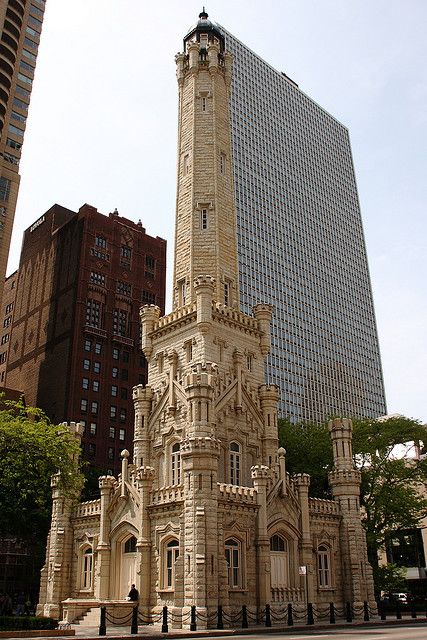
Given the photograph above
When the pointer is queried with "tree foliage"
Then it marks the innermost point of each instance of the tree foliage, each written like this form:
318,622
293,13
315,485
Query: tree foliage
32,449
392,481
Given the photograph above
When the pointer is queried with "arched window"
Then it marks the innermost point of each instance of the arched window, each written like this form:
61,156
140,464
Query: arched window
170,557
176,464
279,559
130,545
233,556
234,463
324,565
87,569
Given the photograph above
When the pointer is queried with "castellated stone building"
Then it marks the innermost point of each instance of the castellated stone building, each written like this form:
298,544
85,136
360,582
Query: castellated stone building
205,514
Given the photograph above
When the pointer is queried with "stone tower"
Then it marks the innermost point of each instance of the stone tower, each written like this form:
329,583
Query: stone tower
205,238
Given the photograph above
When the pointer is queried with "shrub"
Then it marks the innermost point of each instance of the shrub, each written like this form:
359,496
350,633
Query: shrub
8,623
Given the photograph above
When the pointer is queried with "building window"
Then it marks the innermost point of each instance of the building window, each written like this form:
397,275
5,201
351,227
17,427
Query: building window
125,374
115,354
125,356
130,545
233,557
124,393
97,278
125,254
83,405
113,411
94,408
114,390
101,242
112,432
86,364
124,288
249,361
88,345
203,104
87,567
122,434
186,165
279,562
148,297
93,313
110,453
120,319
92,450
98,347
176,464
324,565
115,372
5,339
97,367
123,414
92,428
4,195
203,219
222,163
3,357
227,294
95,385
171,555
235,463
85,383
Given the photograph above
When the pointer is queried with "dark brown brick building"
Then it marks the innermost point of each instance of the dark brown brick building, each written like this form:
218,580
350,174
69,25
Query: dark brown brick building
74,344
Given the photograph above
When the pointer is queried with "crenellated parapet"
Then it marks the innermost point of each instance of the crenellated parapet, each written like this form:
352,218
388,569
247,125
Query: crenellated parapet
149,315
200,445
341,433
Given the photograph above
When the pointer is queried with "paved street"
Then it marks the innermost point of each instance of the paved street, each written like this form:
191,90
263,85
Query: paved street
415,632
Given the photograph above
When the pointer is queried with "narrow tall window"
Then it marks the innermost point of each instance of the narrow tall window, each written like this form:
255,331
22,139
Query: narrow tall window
222,163
234,463
186,164
279,562
233,557
203,104
324,566
171,556
87,569
93,313
227,294
203,219
176,464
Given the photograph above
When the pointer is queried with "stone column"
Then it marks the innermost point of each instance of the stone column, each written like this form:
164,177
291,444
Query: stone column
145,478
102,582
302,481
149,315
269,397
142,400
260,475
263,314
357,580
204,287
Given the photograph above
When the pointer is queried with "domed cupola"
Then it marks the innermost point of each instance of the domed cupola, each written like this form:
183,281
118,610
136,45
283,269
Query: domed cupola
205,32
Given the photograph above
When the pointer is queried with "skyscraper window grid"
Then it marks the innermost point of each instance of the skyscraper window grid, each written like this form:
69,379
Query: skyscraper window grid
301,244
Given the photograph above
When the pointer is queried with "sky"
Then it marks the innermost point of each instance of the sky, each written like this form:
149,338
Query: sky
102,129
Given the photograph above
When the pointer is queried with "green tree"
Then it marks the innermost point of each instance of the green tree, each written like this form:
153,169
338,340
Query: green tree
32,449
391,495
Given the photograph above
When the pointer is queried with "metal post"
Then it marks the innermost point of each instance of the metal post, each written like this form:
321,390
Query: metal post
102,622
310,617
331,613
134,623
365,611
413,610
220,623
383,614
267,616
290,615
193,625
398,611
349,615
244,617
165,627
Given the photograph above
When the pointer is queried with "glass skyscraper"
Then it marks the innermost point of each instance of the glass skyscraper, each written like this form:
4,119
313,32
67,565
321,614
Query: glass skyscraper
301,245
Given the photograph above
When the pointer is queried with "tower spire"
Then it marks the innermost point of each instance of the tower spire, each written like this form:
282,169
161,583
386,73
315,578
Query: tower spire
205,233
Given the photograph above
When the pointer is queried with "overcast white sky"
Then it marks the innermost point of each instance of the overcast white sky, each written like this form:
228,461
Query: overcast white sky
103,115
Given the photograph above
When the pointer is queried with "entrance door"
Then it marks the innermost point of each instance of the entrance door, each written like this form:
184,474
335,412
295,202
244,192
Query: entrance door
128,567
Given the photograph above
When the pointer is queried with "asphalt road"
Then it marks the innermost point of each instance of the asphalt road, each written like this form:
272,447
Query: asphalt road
415,632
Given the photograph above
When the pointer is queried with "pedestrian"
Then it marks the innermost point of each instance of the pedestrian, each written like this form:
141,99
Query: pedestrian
133,594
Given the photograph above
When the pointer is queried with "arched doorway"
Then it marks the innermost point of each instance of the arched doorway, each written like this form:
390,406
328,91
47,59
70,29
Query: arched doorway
127,566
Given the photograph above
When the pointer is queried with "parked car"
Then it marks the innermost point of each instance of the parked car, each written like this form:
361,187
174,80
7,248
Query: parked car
402,598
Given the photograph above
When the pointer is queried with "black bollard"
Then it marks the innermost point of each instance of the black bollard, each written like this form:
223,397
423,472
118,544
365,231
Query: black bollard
220,623
413,610
331,613
267,616
290,615
398,611
348,612
193,625
382,608
165,627
134,623
102,622
365,611
244,617
310,617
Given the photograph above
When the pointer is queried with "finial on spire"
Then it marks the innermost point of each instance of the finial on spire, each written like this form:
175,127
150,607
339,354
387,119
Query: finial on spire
203,15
